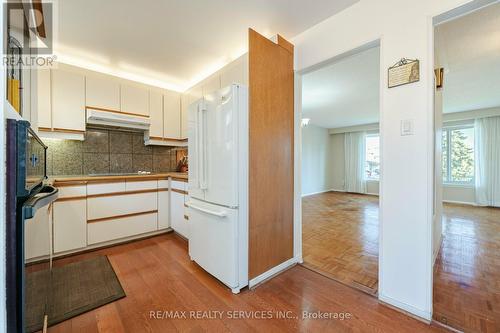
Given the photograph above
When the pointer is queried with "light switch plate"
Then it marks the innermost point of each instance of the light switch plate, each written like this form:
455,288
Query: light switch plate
407,127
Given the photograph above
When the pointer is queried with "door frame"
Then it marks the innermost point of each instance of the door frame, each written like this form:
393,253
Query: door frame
297,232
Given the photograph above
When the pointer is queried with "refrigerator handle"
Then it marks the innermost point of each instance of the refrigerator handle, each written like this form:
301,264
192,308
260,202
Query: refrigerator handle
202,146
206,211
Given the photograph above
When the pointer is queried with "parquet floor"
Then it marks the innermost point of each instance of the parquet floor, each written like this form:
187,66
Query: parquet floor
340,237
467,270
157,275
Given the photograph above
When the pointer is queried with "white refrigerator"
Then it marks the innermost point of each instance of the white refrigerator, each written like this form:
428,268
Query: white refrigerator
218,185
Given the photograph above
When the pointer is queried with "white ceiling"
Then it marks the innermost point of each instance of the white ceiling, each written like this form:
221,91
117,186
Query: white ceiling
344,93
175,43
469,50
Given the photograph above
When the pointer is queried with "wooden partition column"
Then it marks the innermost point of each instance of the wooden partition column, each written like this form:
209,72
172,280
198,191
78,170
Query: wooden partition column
271,160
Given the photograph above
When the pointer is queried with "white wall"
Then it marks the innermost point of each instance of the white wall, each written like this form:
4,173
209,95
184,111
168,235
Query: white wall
405,29
316,160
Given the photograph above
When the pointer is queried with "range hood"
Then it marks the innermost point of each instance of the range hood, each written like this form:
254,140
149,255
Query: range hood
116,120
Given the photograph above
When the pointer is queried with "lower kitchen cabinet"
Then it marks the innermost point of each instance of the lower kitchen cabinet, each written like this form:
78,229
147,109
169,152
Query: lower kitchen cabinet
103,231
178,216
70,225
163,206
37,234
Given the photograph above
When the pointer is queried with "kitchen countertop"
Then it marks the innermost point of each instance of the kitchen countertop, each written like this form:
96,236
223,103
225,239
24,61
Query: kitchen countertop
84,179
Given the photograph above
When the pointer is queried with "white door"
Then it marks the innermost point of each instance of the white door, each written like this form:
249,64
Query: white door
213,234
221,147
195,149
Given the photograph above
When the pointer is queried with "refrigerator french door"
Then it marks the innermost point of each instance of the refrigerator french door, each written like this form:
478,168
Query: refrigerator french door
217,148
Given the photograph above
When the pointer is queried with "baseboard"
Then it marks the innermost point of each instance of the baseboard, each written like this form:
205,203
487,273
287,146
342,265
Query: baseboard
313,193
410,310
436,252
272,272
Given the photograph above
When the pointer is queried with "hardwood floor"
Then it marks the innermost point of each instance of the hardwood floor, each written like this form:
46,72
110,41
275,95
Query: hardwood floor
340,237
467,270
157,275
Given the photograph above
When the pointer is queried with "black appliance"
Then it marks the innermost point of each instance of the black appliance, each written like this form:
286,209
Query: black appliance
26,193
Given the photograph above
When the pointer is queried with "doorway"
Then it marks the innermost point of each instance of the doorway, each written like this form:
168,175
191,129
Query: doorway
341,168
467,242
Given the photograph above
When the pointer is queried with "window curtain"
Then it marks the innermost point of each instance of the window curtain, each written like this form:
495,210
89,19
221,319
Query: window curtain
487,156
355,147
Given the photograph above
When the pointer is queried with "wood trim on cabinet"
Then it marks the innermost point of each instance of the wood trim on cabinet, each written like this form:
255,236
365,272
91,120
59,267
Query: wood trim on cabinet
115,111
271,135
163,190
117,217
60,130
179,191
158,138
184,180
70,183
81,197
112,194
63,130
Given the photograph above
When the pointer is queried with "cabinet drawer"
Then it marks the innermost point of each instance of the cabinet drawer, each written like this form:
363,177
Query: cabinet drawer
105,188
121,227
118,205
163,184
178,185
72,191
143,185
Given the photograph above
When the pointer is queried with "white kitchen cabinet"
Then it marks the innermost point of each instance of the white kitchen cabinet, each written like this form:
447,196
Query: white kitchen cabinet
156,115
178,199
102,92
189,97
172,115
70,225
37,234
211,84
135,100
163,209
43,98
122,227
119,205
235,72
68,100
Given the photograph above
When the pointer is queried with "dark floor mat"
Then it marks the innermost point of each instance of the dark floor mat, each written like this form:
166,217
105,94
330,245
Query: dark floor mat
76,288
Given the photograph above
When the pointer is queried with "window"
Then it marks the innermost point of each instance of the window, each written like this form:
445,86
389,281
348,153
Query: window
372,157
458,155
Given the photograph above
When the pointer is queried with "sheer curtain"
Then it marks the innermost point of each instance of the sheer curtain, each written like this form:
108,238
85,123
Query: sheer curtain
487,161
355,147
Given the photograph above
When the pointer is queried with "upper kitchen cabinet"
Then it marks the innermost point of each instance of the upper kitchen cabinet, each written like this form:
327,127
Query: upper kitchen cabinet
43,99
68,101
211,84
172,115
235,72
189,97
156,115
135,100
102,92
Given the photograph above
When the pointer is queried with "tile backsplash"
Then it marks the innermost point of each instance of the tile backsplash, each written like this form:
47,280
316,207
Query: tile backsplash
108,151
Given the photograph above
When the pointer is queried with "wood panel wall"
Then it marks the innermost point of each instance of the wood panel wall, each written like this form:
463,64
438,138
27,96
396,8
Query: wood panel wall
271,125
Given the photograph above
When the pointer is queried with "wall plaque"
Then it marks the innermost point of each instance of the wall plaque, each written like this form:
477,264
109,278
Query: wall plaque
403,72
